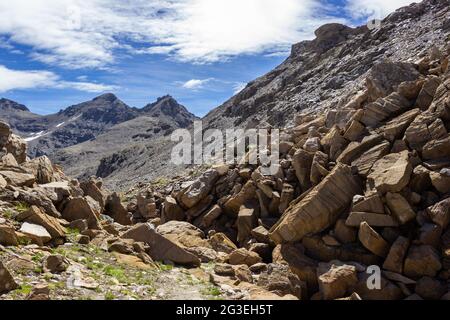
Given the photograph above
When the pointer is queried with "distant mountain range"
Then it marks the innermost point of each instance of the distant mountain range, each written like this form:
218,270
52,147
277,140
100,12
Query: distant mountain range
86,137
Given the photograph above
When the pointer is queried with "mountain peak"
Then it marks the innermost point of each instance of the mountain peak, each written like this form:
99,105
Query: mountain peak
108,97
9,104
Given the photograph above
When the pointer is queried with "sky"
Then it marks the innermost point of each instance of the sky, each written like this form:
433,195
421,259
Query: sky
56,53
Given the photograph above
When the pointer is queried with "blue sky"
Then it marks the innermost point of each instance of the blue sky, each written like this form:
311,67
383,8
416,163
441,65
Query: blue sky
55,53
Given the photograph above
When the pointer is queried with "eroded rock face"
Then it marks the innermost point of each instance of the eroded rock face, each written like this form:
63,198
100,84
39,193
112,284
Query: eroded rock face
319,208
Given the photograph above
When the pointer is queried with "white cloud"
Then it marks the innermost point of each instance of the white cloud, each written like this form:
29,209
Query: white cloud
374,9
86,33
195,84
19,79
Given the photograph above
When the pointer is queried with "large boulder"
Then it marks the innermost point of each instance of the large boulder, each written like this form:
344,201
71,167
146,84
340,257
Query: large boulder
115,209
42,169
396,256
18,177
337,281
199,189
83,208
391,173
8,236
440,213
320,208
161,248
422,261
372,241
281,281
243,256
172,211
183,233
36,216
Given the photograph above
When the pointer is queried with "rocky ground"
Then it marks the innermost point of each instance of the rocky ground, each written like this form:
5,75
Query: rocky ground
365,185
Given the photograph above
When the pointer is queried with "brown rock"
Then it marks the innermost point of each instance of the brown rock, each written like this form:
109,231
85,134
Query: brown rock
354,131
261,234
383,109
365,162
436,149
116,210
391,173
335,282
42,169
287,195
146,206
7,282
430,289
243,256
18,179
36,216
281,281
302,161
221,243
212,215
199,189
83,208
246,221
427,93
8,236
344,233
422,261
372,219
400,207
183,234
440,213
172,211
56,263
320,208
355,149
372,241
301,265
372,204
440,181
90,188
247,192
396,255
161,248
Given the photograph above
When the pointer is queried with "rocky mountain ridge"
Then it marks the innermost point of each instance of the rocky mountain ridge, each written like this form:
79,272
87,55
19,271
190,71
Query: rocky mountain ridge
85,121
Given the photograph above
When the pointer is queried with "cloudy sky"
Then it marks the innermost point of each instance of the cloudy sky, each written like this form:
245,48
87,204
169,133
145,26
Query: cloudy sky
54,53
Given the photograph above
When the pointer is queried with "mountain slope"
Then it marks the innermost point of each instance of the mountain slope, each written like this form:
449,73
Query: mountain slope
114,151
322,73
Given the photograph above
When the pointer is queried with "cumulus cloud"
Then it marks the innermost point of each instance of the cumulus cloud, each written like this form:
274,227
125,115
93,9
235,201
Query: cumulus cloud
374,9
86,33
195,84
30,79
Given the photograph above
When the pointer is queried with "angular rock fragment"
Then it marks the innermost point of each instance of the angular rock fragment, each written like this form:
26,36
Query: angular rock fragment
320,208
